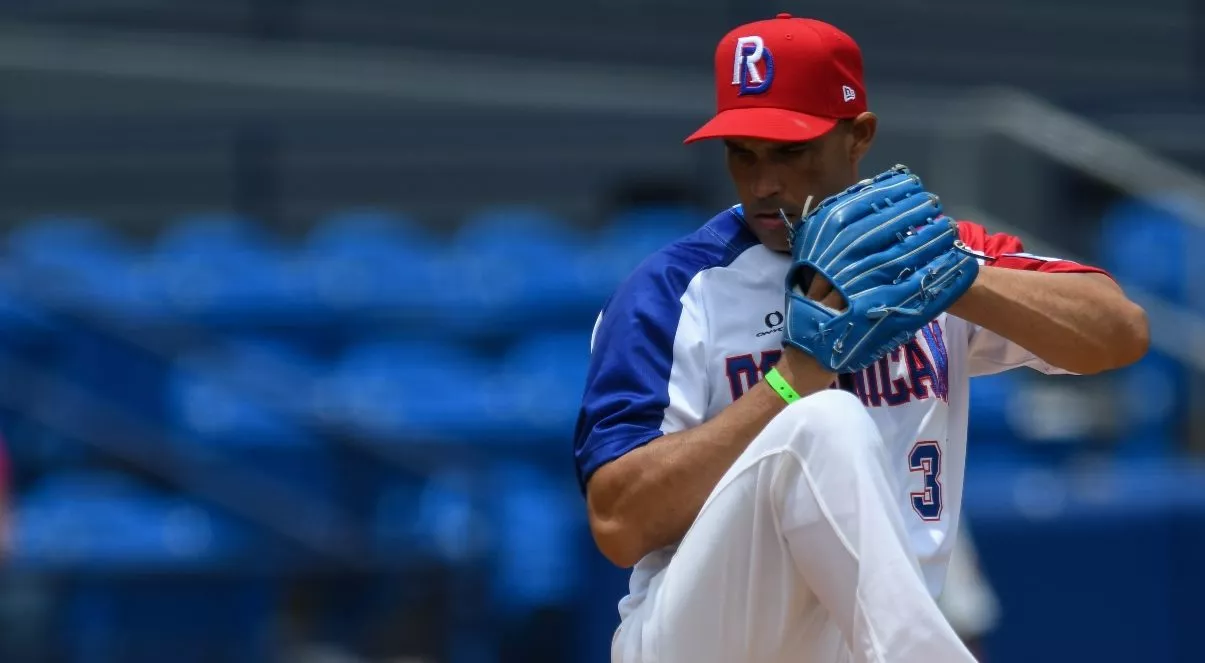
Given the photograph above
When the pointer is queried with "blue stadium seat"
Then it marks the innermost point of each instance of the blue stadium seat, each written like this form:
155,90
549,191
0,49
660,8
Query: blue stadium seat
633,235
76,264
272,370
539,569
1154,403
367,261
144,562
58,240
1148,246
207,232
35,448
1021,415
83,484
513,268
185,618
24,324
991,431
363,229
398,390
539,387
106,521
79,263
224,269
435,518
247,403
204,403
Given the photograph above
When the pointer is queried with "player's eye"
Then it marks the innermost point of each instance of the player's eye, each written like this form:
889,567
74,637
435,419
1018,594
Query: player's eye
741,154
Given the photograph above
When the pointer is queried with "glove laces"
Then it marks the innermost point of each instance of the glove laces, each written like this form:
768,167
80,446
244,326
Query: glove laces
794,226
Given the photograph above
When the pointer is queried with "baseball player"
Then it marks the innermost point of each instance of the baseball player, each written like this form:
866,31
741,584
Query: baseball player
773,429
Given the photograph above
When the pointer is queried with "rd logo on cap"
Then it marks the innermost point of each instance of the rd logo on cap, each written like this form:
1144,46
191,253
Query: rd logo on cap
749,52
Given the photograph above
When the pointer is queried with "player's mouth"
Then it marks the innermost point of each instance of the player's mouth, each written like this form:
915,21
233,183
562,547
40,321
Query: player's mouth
770,220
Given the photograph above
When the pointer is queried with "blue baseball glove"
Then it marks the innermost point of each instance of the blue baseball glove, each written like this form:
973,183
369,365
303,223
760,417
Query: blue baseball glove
885,246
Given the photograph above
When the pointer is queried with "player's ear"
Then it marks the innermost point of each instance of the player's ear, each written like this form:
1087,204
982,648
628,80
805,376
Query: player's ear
862,134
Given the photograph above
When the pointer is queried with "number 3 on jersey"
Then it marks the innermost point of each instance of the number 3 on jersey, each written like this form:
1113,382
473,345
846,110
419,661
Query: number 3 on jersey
925,457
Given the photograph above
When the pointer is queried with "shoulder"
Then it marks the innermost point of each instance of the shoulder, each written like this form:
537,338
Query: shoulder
668,272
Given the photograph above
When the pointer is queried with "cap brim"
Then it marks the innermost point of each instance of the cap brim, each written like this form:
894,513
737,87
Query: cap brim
764,123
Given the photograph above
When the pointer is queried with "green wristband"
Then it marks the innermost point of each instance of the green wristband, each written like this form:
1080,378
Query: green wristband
779,383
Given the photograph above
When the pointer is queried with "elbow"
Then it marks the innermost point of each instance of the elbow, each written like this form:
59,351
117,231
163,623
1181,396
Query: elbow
617,537
1134,338
615,541
1125,345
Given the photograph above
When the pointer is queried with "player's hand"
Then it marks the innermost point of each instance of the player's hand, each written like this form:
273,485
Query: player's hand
798,367
821,290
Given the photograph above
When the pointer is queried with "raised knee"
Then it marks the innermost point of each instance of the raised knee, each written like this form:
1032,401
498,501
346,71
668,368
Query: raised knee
830,417
826,408
836,399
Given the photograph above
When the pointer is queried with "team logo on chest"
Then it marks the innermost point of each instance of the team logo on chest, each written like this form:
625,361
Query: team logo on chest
752,58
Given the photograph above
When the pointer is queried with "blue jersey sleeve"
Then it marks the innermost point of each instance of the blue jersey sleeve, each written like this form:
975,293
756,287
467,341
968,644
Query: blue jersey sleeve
648,358
646,375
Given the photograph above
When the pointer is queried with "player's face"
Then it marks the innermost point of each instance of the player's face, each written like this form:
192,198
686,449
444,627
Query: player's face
770,175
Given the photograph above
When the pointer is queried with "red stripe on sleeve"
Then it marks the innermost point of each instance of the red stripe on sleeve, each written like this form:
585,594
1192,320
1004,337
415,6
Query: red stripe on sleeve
1004,250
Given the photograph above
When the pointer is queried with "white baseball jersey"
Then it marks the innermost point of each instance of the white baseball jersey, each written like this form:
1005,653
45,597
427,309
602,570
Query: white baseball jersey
700,322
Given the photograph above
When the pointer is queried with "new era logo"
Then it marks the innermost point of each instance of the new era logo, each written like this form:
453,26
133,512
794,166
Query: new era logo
848,93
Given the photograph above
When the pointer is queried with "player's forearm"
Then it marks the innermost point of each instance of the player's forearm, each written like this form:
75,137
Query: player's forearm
648,498
1078,322
665,483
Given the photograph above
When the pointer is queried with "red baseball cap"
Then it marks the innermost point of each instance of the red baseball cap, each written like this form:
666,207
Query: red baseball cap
785,79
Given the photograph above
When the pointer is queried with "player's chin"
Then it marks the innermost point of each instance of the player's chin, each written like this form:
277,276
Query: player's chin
771,232
775,240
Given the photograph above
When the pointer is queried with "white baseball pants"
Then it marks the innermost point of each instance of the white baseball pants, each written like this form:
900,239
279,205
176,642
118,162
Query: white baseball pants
799,555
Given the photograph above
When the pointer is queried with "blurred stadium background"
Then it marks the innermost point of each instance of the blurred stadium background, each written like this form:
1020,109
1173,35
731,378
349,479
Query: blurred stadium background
295,300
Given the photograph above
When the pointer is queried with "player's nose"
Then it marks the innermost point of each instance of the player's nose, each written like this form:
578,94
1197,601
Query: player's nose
766,184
